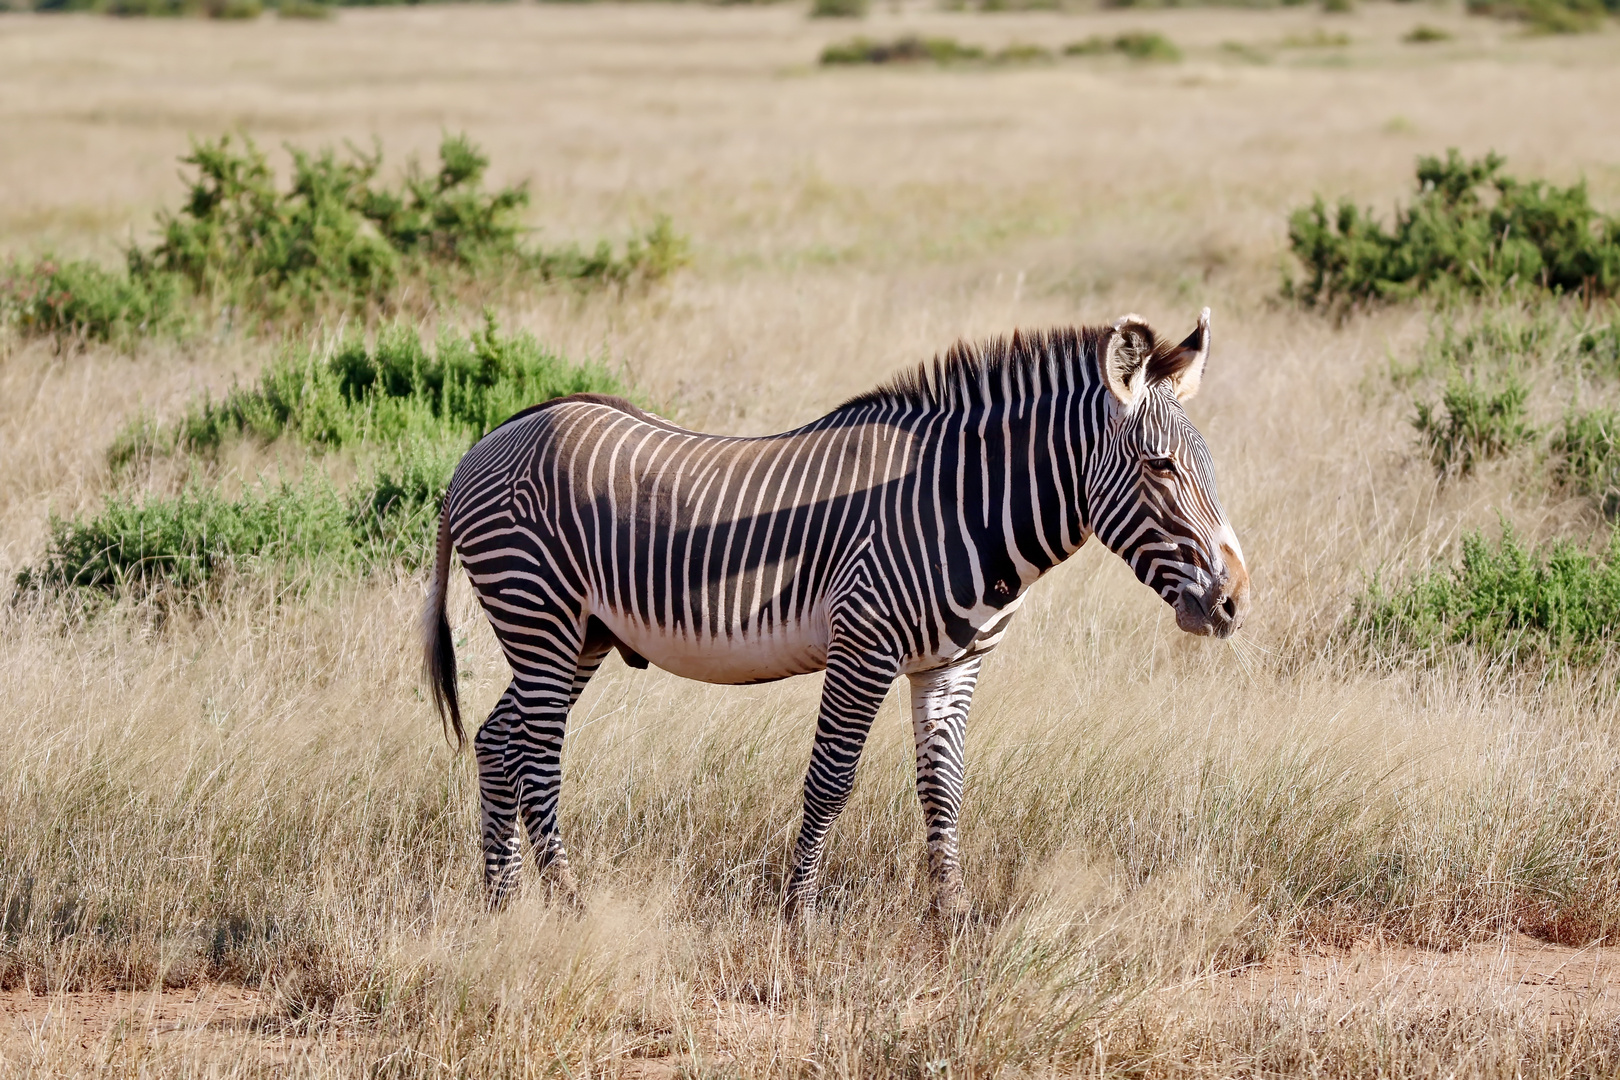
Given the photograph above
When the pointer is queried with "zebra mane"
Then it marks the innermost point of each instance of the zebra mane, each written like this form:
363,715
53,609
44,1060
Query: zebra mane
970,373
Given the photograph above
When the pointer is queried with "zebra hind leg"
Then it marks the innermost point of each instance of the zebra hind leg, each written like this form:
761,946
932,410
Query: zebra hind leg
497,799
855,688
939,707
532,756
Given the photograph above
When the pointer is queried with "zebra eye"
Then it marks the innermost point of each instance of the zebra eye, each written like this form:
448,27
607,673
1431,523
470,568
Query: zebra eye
1161,465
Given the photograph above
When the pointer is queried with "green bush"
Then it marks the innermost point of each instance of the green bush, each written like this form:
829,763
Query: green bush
1145,45
1601,348
1549,16
1474,423
1556,605
386,392
1531,235
81,299
336,238
405,414
908,49
839,9
1424,34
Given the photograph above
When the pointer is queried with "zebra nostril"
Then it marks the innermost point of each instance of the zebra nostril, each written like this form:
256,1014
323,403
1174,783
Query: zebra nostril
1229,608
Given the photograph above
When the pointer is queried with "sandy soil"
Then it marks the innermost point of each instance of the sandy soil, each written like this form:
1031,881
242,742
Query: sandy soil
1549,984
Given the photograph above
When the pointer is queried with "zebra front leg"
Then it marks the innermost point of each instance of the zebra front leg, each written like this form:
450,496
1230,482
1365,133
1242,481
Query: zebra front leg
850,697
939,707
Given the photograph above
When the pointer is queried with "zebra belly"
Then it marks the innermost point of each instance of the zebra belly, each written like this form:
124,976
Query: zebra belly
735,658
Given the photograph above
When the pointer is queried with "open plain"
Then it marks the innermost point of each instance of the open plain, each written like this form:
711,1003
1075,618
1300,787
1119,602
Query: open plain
234,842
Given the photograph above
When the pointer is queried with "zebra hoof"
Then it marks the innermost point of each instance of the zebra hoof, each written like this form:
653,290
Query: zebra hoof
565,887
799,910
950,900
498,895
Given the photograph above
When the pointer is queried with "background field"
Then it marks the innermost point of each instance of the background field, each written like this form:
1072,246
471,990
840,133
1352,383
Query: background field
249,802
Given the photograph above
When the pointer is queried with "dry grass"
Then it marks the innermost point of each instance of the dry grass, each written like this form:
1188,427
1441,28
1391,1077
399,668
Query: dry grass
253,800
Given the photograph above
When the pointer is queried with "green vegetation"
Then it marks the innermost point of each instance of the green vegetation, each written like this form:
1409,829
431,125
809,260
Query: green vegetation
336,238
1136,44
1550,16
1531,235
1147,45
80,299
1587,456
1555,605
404,414
908,49
1474,423
839,9
1424,34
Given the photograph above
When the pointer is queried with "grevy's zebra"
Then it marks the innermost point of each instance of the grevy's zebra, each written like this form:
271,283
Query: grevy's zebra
897,534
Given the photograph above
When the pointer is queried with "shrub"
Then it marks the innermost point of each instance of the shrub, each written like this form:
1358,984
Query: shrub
1588,456
1601,348
335,238
1424,34
907,49
1450,240
1549,16
1557,605
81,299
839,9
390,391
410,413
1143,45
1473,424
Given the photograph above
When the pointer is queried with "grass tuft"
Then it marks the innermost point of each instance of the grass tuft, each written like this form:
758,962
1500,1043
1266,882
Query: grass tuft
1474,423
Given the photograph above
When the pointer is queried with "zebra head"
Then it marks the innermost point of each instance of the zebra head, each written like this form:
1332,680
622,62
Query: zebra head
1153,491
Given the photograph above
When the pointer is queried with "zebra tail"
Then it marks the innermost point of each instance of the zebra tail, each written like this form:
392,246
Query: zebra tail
438,648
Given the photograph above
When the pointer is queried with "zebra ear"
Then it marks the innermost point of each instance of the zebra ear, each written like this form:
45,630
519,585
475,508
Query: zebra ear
1125,358
1183,366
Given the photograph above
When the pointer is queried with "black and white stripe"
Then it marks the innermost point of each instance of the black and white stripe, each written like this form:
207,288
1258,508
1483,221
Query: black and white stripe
896,535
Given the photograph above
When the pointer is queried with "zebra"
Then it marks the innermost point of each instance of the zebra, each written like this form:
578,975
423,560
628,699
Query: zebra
898,534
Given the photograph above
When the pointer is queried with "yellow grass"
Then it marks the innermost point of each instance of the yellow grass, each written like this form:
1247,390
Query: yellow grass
256,794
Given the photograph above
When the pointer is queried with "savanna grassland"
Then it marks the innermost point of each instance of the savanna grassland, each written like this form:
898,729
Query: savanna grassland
233,840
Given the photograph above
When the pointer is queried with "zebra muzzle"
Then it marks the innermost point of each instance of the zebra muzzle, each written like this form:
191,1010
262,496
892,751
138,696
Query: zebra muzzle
1216,610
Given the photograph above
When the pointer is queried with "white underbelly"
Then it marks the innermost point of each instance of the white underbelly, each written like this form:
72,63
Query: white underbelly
758,656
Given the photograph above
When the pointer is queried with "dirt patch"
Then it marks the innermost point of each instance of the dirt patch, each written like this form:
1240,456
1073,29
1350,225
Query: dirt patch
1519,974
233,1021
